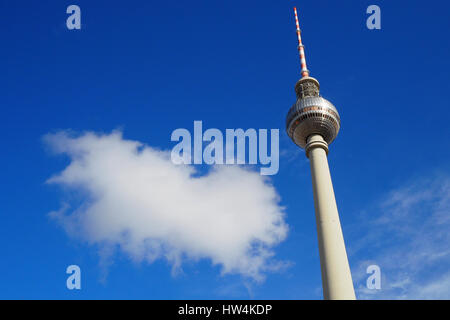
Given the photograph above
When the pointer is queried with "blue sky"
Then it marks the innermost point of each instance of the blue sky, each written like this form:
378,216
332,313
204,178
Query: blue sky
147,68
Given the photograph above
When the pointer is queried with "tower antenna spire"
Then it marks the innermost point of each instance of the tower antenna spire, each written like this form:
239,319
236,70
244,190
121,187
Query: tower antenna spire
301,51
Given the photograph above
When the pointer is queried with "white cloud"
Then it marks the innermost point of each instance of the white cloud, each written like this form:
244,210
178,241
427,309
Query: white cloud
408,236
134,198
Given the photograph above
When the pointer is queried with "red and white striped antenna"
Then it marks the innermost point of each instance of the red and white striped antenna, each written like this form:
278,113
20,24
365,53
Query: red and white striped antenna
301,51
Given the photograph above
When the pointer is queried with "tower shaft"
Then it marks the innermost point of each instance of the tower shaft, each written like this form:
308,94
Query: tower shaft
336,277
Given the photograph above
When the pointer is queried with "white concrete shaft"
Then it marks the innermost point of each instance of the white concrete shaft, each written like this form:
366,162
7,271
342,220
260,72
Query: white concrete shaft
336,277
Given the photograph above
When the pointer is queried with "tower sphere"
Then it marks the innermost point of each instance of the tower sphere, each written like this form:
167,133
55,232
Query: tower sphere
311,114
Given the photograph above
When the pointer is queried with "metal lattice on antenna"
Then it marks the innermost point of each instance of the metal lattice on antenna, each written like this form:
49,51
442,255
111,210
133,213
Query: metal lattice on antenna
301,51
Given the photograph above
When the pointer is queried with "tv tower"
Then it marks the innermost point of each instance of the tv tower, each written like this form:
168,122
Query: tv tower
313,123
